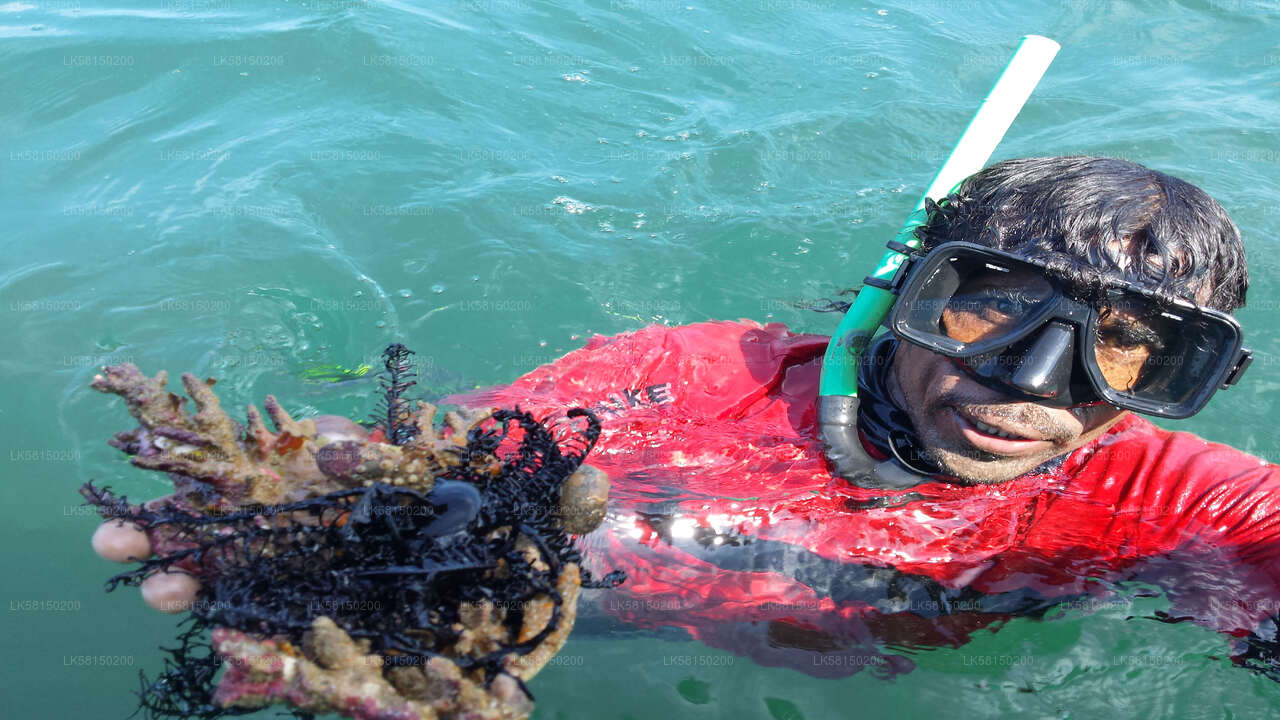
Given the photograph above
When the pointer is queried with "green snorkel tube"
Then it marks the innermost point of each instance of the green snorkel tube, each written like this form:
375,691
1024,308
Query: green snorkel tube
838,389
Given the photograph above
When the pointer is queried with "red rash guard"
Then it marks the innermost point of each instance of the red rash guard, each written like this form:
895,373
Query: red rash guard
730,525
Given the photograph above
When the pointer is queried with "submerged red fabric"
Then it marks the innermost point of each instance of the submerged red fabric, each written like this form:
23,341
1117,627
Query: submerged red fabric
729,523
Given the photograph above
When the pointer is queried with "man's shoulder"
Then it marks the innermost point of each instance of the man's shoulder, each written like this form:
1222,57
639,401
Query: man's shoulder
702,336
1143,442
691,337
699,366
728,344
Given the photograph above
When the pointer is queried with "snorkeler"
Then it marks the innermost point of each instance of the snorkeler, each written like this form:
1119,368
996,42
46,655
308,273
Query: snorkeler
1051,299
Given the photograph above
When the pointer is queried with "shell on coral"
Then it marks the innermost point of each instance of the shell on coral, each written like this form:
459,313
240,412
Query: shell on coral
583,500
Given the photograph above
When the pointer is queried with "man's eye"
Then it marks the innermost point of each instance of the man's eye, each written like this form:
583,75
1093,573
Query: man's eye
1118,338
1128,337
1004,302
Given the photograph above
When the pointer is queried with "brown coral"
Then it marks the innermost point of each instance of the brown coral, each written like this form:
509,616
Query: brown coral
337,674
257,466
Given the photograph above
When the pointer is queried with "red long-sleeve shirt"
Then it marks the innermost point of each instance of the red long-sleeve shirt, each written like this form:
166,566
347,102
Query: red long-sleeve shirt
730,524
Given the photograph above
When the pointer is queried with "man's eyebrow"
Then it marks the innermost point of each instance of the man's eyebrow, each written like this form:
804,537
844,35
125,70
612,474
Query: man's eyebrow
1132,328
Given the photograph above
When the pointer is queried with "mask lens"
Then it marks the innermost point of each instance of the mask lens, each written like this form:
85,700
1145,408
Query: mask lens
1130,345
992,302
1157,355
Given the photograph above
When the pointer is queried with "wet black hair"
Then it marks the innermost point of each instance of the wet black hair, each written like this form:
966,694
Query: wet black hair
1098,220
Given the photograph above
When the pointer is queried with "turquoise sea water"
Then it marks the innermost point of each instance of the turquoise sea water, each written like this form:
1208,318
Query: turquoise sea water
250,190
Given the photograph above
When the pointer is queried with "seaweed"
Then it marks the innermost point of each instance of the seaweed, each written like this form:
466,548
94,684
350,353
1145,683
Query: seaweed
394,415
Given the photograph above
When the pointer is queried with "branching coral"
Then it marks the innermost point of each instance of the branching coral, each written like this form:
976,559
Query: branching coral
402,573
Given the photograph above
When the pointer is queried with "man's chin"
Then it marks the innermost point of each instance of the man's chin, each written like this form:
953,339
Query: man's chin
976,467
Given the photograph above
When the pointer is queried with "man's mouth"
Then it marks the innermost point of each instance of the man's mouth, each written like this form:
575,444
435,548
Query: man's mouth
997,436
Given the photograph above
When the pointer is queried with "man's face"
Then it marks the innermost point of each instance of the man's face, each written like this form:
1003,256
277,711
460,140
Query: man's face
959,421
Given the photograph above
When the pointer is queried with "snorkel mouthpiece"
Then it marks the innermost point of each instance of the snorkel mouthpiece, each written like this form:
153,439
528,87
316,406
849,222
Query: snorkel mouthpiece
838,387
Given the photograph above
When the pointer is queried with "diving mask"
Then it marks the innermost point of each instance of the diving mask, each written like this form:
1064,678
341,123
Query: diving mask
1014,325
